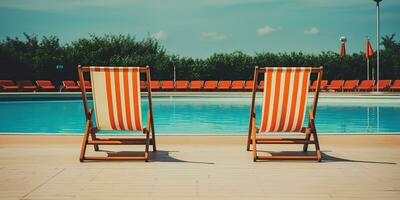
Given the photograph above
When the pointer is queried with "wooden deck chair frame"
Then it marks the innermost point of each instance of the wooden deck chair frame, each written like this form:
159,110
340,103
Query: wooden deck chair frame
309,130
89,129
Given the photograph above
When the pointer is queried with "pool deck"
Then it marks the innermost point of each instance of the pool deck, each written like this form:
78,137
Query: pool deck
200,167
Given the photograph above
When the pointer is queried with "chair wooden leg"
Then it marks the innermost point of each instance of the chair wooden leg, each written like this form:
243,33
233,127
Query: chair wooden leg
317,149
146,151
254,143
248,141
305,146
84,142
153,137
93,136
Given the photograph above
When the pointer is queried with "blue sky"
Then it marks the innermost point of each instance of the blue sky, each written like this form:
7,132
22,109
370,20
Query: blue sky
200,28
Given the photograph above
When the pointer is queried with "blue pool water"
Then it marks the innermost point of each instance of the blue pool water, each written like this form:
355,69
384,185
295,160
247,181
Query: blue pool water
202,115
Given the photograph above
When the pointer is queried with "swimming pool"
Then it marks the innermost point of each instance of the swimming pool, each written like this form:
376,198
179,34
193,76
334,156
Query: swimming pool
204,114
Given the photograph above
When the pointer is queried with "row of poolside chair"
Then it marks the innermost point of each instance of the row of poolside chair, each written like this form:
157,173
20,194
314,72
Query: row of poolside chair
196,85
241,85
41,85
354,85
223,85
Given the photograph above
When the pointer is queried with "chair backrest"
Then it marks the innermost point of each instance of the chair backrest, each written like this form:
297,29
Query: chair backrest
261,84
210,84
167,84
384,83
285,98
155,84
351,83
69,83
87,83
7,82
367,83
249,84
196,84
224,84
142,85
314,84
44,83
337,83
323,84
238,84
25,83
116,97
396,83
182,84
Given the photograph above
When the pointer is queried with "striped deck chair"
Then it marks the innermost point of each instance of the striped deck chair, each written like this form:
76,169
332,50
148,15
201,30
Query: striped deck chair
283,110
117,106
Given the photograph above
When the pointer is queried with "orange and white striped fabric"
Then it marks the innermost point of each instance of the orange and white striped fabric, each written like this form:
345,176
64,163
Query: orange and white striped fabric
116,98
285,99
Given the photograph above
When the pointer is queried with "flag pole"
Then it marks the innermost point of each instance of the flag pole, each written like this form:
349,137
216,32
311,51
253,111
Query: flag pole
377,44
174,74
367,56
373,73
367,68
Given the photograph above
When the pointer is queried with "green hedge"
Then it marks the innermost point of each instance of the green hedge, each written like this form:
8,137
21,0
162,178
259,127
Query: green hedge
33,58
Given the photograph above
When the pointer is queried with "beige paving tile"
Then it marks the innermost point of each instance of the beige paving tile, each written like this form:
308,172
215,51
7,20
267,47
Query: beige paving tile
201,167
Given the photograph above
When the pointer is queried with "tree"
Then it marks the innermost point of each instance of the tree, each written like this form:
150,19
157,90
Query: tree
390,58
33,58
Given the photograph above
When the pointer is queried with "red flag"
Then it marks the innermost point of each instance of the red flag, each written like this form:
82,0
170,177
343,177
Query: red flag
368,50
342,49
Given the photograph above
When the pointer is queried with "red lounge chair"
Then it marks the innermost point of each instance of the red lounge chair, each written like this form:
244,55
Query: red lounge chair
238,85
395,86
249,85
142,85
155,85
45,85
336,85
261,85
210,85
383,85
366,85
8,85
71,86
350,85
196,85
88,85
224,85
321,87
26,85
182,85
167,85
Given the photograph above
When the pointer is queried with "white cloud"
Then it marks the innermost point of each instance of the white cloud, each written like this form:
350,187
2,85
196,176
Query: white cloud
312,31
267,30
159,35
212,36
